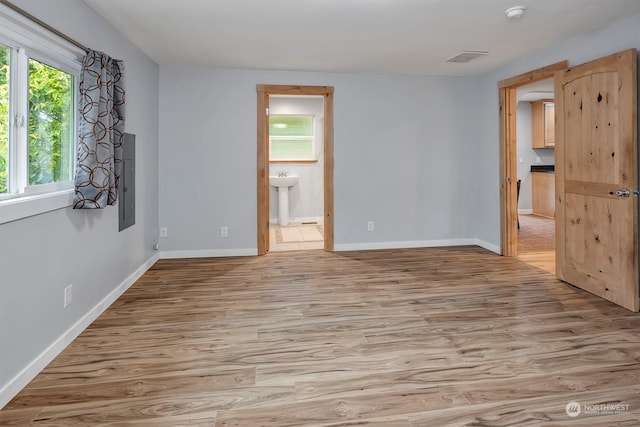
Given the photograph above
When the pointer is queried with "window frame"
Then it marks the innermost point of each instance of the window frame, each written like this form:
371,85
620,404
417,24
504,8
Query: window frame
313,156
32,41
54,186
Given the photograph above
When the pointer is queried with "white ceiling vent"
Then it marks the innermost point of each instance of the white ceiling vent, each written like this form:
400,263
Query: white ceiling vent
467,55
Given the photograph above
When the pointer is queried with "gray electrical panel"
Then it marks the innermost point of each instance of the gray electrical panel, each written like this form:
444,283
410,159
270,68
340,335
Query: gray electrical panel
127,189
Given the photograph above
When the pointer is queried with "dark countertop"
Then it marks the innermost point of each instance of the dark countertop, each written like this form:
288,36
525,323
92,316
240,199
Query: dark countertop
543,168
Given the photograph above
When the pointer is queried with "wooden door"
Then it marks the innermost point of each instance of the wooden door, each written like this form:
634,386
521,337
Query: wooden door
596,164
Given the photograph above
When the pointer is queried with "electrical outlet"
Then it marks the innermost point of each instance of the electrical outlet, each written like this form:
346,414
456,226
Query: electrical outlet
370,226
68,296
224,231
164,231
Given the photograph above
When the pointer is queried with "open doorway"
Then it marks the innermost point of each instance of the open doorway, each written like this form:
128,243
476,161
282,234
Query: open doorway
512,168
268,94
296,165
535,143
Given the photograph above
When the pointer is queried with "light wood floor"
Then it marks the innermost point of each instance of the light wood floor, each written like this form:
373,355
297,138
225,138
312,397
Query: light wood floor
537,242
415,337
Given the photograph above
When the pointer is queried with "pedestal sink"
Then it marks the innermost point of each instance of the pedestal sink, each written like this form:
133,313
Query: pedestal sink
282,182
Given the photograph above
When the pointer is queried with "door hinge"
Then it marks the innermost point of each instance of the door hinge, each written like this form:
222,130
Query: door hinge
266,111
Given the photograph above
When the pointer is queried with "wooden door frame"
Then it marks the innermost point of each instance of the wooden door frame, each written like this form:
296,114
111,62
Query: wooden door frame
508,162
264,91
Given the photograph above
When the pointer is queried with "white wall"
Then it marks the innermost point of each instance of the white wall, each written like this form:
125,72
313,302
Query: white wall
41,255
306,199
486,195
402,158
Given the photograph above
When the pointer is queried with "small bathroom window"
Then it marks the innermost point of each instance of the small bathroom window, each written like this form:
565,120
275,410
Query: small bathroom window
291,138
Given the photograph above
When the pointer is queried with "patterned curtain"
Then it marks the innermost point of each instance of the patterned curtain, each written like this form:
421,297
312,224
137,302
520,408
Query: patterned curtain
101,132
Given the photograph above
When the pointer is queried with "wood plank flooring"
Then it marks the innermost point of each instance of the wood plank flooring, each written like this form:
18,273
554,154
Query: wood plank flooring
537,242
414,337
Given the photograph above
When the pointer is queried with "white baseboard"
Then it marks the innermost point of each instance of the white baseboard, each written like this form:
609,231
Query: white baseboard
221,253
489,246
415,244
525,211
208,253
11,389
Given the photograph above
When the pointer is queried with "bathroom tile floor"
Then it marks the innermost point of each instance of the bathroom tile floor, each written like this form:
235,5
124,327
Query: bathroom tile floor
296,237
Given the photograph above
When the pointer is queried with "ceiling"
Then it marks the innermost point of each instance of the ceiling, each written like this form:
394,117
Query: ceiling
542,89
359,36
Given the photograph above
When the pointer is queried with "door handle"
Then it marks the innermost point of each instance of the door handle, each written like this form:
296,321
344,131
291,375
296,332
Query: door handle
623,192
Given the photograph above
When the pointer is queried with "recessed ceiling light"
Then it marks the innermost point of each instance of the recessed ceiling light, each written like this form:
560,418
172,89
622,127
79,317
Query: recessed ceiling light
515,12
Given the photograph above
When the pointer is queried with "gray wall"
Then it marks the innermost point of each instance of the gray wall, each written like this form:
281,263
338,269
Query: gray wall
486,196
416,154
402,157
41,255
305,198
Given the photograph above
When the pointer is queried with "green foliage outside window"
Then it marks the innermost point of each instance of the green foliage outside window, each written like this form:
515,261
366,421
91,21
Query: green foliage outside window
50,121
4,116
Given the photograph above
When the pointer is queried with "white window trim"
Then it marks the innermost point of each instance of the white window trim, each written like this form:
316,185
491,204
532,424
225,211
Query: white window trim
26,206
32,36
42,45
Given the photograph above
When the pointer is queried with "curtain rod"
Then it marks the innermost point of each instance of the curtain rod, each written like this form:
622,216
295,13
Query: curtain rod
44,25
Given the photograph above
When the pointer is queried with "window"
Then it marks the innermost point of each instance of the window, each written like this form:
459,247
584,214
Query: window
39,76
37,109
51,124
291,138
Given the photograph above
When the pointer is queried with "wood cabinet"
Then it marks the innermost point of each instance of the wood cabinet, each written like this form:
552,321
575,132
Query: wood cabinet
542,124
543,192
